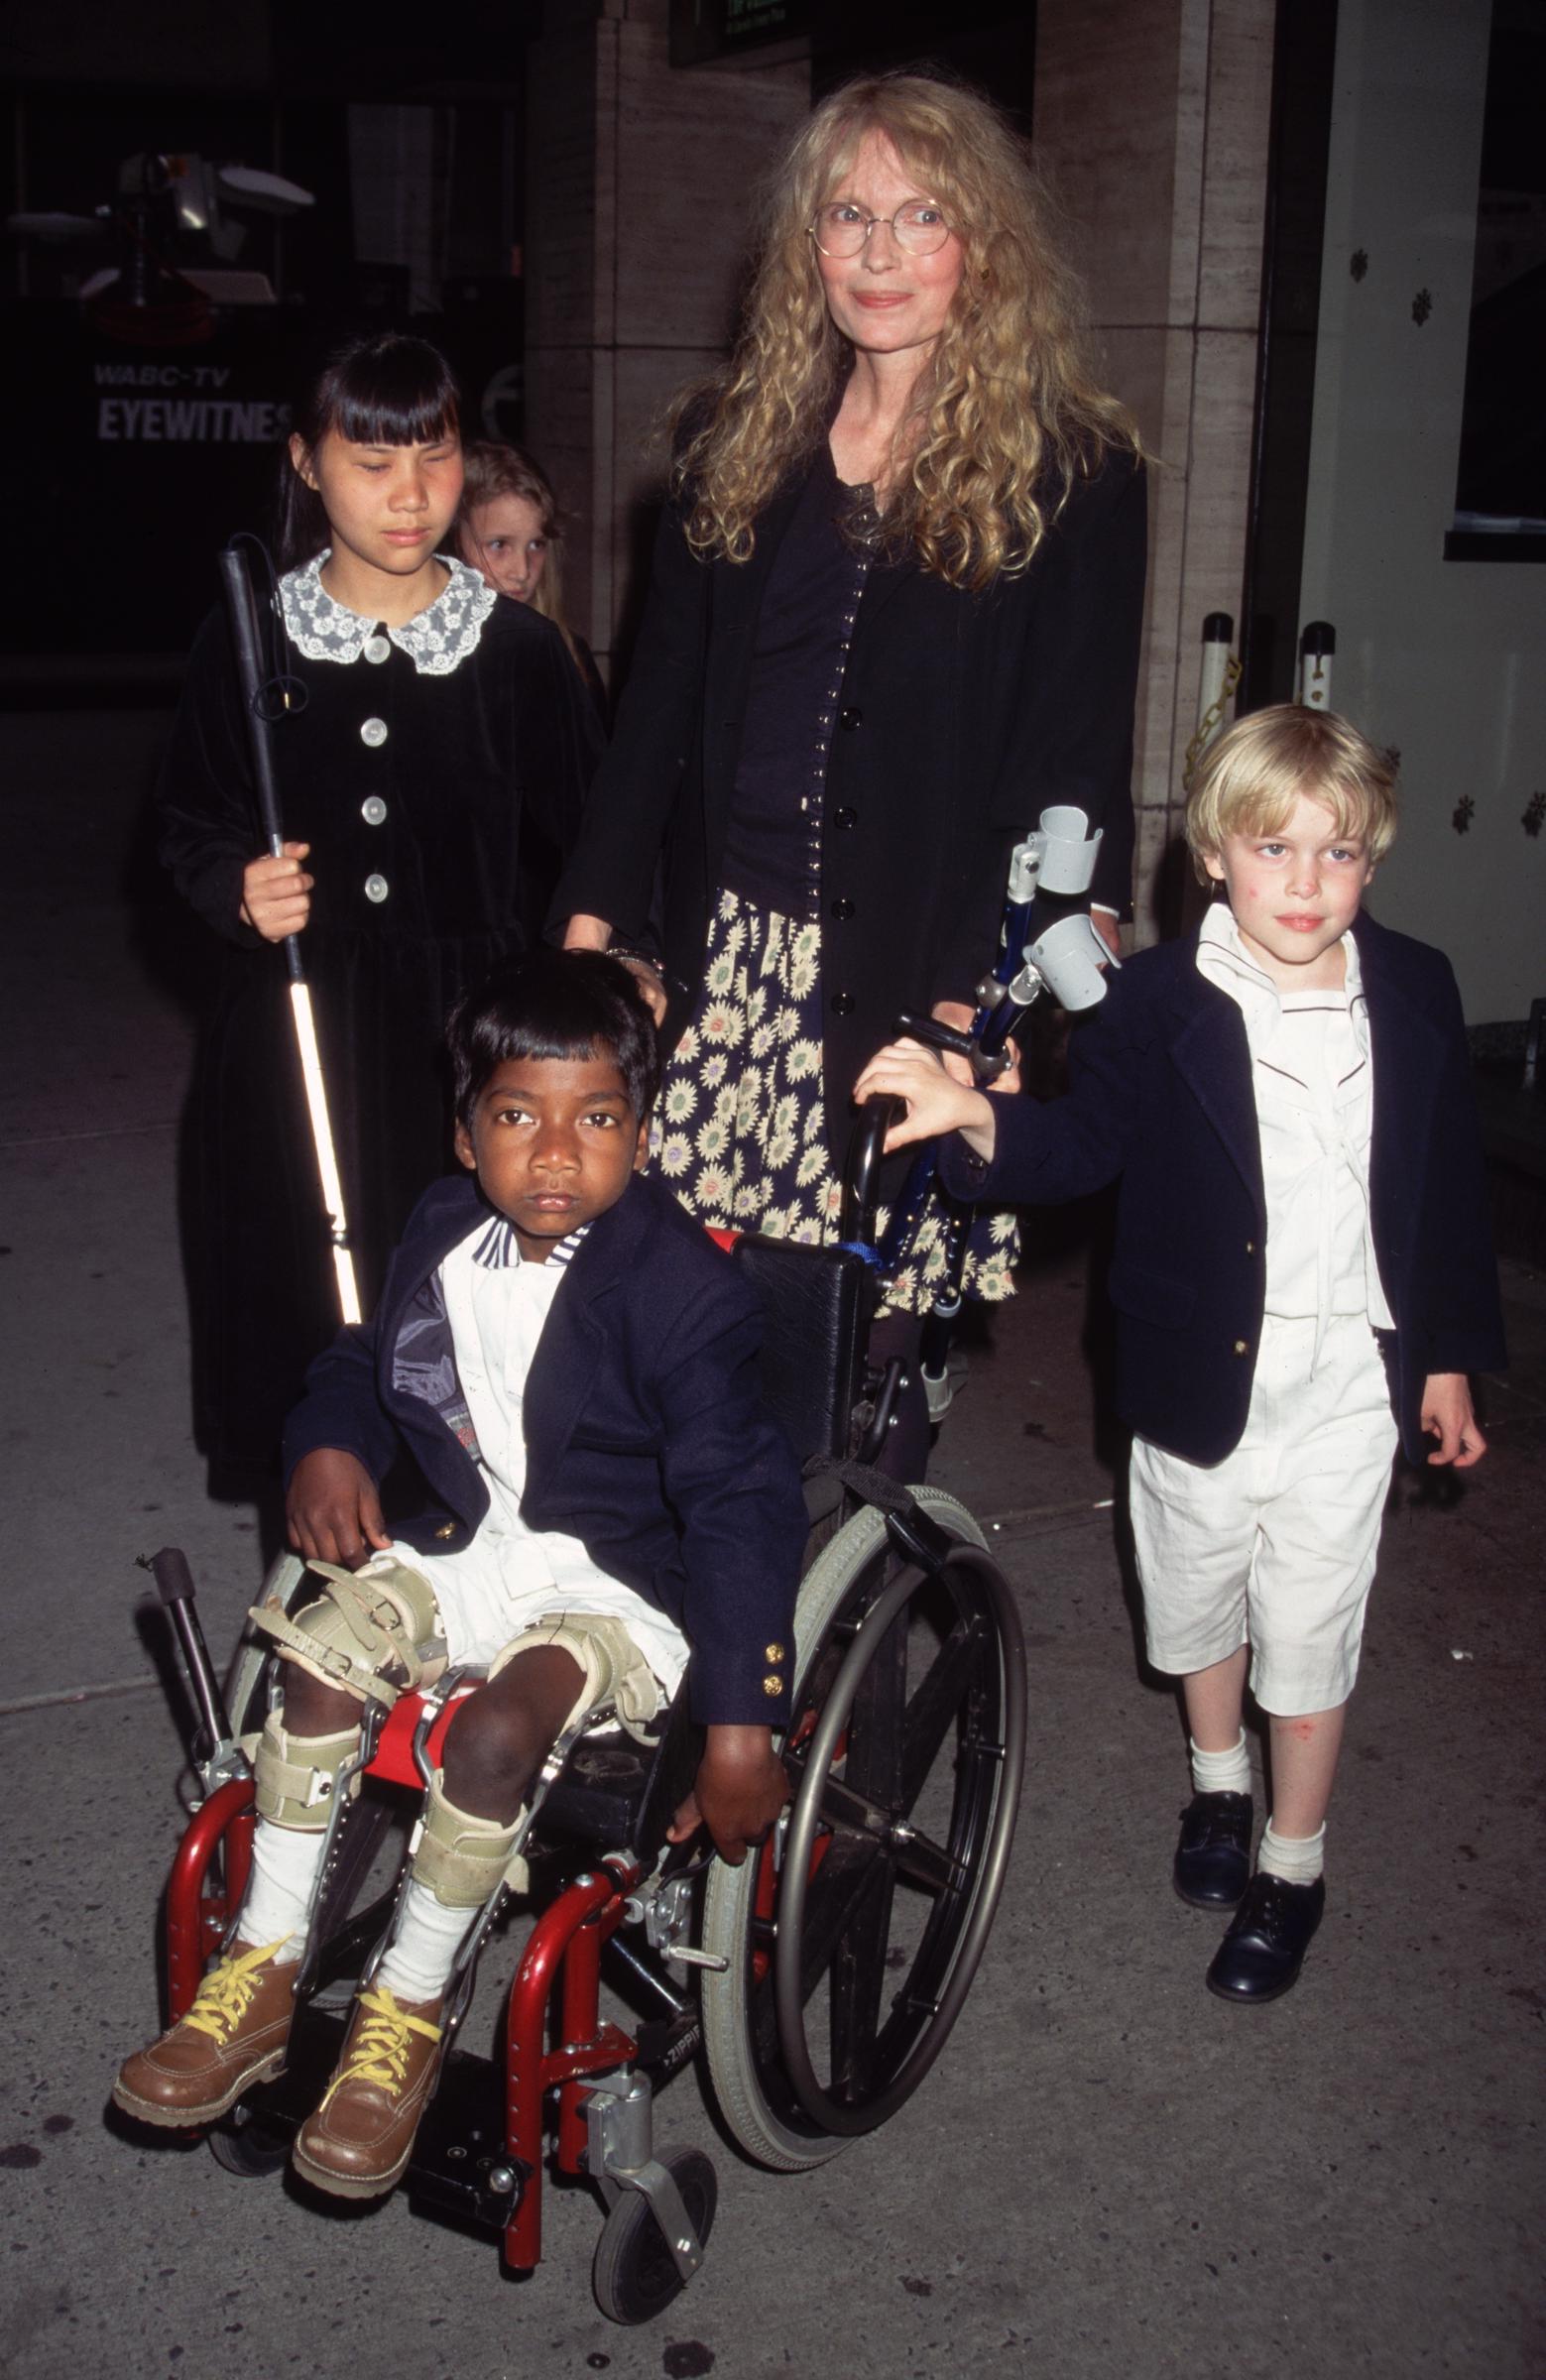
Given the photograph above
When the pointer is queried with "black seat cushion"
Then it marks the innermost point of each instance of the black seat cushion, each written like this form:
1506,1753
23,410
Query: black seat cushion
817,1303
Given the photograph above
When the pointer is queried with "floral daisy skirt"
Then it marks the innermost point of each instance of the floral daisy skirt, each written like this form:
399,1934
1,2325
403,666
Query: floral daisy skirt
740,1132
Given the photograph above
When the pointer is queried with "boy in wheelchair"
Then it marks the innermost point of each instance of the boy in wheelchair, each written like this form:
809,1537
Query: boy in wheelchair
573,1366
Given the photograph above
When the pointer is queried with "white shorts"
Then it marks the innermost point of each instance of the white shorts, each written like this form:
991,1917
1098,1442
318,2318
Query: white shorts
485,1603
1276,1545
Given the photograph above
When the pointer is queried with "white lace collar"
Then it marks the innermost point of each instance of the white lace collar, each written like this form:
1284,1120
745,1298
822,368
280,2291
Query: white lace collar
436,639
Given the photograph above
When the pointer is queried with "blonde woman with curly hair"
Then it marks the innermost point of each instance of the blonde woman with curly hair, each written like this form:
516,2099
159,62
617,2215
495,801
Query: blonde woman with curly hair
894,614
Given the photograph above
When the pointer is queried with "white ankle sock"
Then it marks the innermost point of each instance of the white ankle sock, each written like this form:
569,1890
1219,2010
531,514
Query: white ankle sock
418,1962
1220,1772
1296,1859
285,1861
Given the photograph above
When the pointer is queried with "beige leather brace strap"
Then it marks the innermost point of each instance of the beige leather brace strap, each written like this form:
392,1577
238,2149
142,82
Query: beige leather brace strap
462,1858
294,1777
375,1635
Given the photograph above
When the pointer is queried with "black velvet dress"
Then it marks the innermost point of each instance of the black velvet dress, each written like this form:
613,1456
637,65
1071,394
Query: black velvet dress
438,772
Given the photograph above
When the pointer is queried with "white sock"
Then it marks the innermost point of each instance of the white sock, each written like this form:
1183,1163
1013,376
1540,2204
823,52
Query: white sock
1220,1772
285,1861
1296,1859
418,1962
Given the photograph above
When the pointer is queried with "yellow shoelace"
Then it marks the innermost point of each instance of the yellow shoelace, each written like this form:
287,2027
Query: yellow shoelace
223,1997
379,2051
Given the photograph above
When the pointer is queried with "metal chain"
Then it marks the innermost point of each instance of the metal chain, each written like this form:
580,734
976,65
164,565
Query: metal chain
1210,721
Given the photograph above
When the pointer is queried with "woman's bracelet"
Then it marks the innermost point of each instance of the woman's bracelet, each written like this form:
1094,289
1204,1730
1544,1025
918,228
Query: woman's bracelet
638,958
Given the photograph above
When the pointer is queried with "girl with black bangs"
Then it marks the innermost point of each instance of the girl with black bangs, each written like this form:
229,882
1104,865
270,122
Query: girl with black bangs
432,783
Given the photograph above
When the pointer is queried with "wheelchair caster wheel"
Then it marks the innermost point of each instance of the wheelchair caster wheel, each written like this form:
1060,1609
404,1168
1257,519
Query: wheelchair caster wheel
248,2144
635,2275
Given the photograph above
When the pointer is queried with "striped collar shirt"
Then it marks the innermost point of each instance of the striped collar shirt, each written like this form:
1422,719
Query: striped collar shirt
1311,1073
497,1246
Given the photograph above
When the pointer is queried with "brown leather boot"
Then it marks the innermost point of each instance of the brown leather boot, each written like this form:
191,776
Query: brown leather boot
358,2143
233,2036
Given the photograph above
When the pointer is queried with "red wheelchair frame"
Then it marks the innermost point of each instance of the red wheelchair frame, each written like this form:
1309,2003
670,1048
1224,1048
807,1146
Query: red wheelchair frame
563,1954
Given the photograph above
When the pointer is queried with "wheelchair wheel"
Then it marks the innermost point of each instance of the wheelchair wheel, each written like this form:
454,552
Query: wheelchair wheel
633,2274
865,1919
247,2144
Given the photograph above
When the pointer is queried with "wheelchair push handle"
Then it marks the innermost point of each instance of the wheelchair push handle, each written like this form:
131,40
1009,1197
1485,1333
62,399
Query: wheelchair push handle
173,1577
986,1063
174,1585
862,1171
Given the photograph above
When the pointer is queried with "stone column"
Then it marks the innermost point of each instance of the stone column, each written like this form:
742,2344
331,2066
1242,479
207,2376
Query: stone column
1151,117
638,192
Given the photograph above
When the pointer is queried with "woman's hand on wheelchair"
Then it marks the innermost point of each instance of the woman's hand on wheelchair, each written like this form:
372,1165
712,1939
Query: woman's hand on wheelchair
936,1102
956,1013
740,1788
332,1510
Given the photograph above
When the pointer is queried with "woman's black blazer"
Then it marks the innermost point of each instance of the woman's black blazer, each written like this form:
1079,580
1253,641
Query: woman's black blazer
963,717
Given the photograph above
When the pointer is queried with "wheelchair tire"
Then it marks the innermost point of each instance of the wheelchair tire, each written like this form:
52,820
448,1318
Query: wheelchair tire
633,2274
246,2143
972,1725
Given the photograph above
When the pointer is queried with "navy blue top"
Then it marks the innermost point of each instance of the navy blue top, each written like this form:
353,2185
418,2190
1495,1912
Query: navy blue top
799,654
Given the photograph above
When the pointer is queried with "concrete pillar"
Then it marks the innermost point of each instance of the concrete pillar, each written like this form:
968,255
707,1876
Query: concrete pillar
638,192
1151,117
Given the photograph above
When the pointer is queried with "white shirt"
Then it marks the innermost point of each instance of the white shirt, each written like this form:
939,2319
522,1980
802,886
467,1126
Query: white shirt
497,1305
1312,1081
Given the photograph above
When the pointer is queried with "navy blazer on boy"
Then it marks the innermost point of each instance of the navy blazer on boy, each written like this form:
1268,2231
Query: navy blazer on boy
646,1437
1161,1094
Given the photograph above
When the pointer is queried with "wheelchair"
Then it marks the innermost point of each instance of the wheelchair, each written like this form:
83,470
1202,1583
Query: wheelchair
817,1983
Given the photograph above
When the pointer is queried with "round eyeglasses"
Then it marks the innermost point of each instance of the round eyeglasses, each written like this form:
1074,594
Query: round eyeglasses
842,229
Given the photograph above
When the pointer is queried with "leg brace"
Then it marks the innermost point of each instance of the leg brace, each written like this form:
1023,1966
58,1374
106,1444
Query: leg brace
463,1859
294,1777
375,1633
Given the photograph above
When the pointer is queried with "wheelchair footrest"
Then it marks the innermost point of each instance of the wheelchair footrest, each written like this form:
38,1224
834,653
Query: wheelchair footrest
460,2165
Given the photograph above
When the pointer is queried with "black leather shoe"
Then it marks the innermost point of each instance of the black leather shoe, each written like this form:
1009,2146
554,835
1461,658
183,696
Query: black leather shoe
1261,1953
1213,1857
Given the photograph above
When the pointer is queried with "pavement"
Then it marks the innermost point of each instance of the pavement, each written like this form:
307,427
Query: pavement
1109,2172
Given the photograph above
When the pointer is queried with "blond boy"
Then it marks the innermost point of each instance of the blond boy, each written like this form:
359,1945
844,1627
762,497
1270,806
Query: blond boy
1303,1275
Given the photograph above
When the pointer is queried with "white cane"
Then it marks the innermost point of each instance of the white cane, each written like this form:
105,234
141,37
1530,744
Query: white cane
242,608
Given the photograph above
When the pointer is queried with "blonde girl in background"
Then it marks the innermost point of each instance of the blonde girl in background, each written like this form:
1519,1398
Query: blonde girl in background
510,528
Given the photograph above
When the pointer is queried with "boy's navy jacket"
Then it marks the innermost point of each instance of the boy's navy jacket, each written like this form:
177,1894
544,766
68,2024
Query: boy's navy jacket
646,1437
1161,1094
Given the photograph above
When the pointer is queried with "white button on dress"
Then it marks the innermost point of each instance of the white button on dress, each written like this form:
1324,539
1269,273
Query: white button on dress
373,733
376,887
377,648
373,810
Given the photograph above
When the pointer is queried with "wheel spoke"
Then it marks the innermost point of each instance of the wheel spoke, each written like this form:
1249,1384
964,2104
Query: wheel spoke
852,1812
876,1724
830,1901
932,1711
929,1864
858,1982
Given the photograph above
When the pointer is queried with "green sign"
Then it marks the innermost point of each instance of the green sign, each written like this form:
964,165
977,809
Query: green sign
708,29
